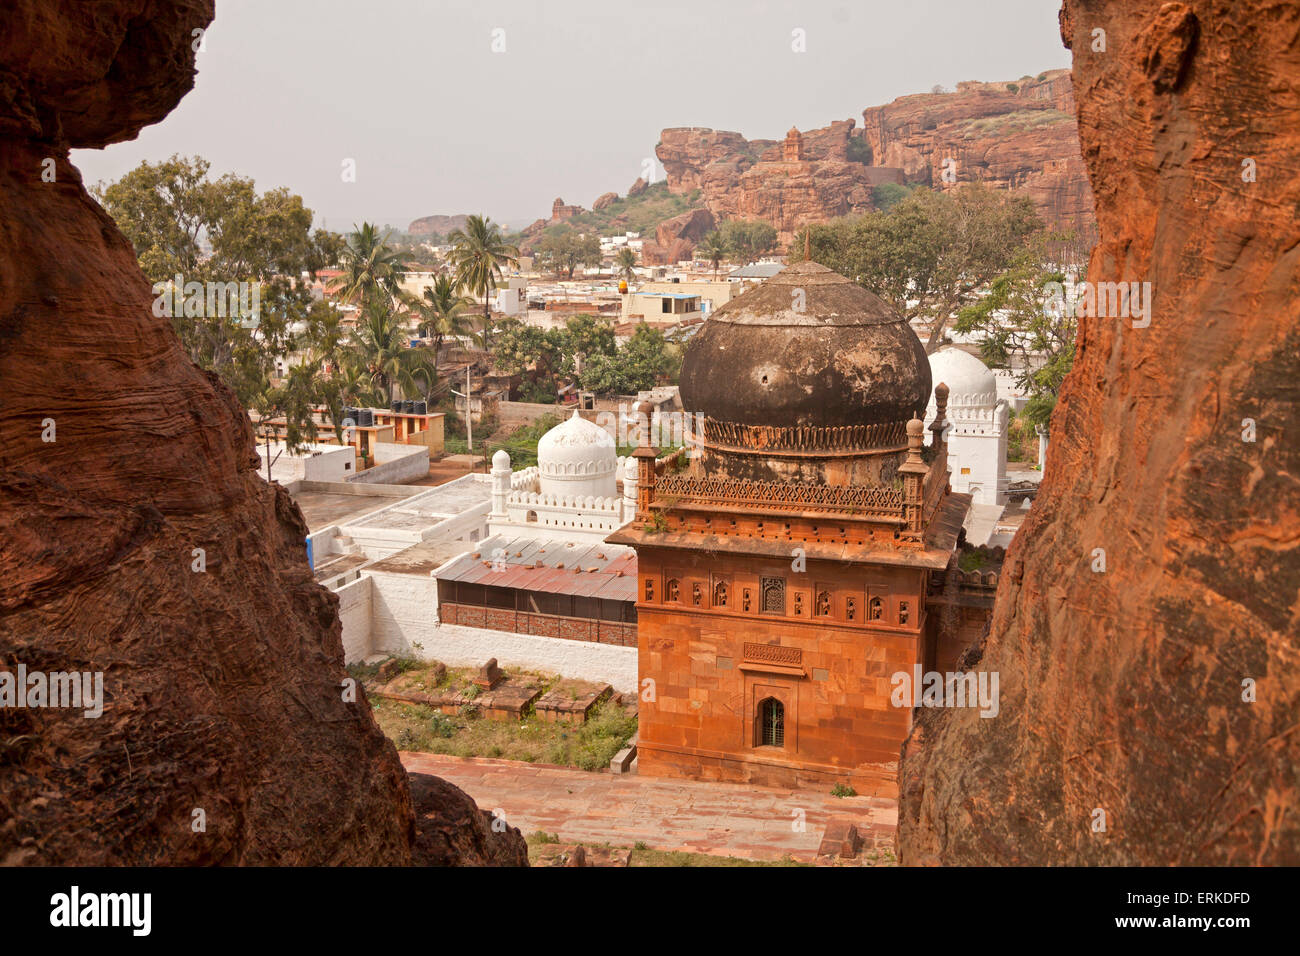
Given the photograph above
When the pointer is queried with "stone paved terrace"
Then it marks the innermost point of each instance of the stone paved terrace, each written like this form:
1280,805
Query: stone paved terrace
722,819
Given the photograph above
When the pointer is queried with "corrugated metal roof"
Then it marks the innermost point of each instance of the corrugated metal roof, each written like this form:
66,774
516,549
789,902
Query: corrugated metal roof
601,571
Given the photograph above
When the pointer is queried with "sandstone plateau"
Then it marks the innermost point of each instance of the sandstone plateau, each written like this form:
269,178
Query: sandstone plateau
223,688
1123,691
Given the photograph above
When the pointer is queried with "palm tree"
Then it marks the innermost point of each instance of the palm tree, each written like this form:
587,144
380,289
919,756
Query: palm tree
371,267
381,352
626,261
714,248
441,311
478,254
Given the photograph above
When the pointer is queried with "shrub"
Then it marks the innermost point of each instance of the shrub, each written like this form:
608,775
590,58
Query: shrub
441,725
842,790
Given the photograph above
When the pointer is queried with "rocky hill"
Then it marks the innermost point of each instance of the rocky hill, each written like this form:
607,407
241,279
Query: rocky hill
1019,135
436,225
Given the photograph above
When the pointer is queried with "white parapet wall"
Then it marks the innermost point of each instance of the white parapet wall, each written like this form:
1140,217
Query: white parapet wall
403,622
356,601
396,463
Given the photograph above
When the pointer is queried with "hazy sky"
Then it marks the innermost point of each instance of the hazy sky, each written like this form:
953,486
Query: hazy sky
439,123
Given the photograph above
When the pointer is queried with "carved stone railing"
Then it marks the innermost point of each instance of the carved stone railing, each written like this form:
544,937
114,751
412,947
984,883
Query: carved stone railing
776,495
804,438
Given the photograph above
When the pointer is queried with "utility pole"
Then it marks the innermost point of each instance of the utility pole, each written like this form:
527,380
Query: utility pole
469,416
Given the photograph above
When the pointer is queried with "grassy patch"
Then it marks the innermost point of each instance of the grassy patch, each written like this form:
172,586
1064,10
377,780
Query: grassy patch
1008,124
970,561
588,746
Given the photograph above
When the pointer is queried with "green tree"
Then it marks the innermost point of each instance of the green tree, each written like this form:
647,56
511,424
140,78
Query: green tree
713,248
441,311
933,253
747,240
1025,323
625,262
562,249
478,255
584,337
213,234
380,348
645,361
371,267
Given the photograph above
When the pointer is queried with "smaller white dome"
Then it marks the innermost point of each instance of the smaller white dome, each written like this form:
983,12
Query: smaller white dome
501,460
577,457
970,382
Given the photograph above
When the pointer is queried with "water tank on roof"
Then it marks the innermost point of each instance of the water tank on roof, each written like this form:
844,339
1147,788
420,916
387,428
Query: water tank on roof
365,417
421,408
395,404
408,407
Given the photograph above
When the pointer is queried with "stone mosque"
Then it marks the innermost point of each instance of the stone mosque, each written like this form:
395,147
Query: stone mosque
807,553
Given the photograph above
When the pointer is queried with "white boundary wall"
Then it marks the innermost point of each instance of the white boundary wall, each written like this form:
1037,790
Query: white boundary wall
401,619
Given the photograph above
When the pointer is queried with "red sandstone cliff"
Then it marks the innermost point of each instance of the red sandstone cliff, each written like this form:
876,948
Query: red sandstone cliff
1122,691
223,688
1018,135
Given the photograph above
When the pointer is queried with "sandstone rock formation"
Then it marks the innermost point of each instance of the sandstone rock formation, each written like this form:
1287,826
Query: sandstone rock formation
741,179
691,226
1163,691
437,225
1023,138
451,831
603,200
223,685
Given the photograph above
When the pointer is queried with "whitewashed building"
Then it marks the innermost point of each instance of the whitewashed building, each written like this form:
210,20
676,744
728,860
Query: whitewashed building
977,425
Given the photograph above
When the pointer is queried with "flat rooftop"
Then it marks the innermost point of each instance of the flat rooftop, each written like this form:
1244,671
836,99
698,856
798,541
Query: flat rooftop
428,508
322,509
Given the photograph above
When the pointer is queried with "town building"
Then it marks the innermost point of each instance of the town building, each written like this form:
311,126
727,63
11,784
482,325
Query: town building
977,425
807,555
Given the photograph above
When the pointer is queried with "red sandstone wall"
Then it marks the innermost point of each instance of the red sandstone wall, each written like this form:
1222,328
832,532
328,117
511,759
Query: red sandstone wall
839,725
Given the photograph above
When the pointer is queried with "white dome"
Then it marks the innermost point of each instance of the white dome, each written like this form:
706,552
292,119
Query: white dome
577,457
501,460
970,382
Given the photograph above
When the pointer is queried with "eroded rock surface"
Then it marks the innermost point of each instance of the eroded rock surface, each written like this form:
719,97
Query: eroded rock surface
450,830
223,698
1122,691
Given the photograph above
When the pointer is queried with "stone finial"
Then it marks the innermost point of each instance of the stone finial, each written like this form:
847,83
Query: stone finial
914,464
940,423
645,417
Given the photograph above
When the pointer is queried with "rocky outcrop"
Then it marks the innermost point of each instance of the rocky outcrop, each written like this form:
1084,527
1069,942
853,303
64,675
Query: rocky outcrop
1155,694
437,225
139,542
1017,135
1020,135
450,830
691,226
743,179
604,200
